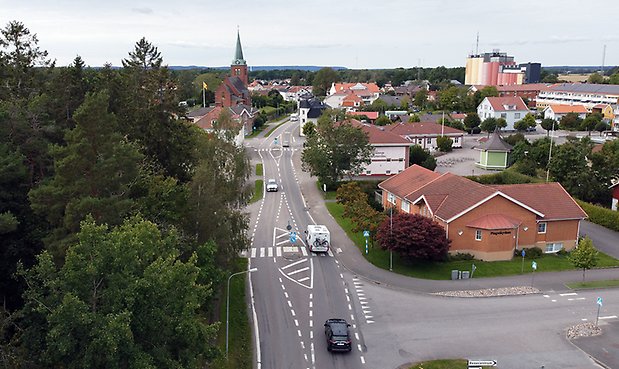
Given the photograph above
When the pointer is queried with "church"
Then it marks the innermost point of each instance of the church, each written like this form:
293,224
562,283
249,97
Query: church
233,90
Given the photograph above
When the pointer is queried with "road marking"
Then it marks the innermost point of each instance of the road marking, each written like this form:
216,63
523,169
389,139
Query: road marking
262,252
347,298
362,298
293,313
304,279
546,296
352,317
293,264
576,299
311,325
330,253
311,303
290,249
369,321
311,313
362,360
299,333
553,300
270,252
289,303
608,317
346,290
357,336
298,271
296,322
253,252
359,347
568,294
341,275
303,251
278,251
349,307
282,242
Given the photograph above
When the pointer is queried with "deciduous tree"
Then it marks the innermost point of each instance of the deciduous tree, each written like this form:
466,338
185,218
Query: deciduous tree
413,236
584,256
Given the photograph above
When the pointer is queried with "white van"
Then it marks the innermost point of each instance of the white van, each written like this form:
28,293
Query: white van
318,238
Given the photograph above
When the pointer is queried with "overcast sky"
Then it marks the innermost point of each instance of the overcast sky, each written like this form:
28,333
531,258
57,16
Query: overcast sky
349,33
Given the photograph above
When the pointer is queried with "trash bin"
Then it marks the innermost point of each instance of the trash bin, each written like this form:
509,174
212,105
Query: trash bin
465,274
454,274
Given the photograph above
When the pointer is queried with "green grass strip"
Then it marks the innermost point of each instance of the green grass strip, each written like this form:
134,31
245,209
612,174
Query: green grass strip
442,364
594,284
259,169
257,196
274,128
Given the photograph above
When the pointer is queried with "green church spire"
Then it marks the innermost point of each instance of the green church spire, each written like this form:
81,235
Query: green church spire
238,54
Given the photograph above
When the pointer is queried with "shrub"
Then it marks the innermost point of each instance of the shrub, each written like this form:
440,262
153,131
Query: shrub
460,256
533,253
504,177
600,215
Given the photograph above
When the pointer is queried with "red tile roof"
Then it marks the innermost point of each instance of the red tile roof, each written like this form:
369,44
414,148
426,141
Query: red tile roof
373,115
409,180
551,199
379,135
494,221
343,87
507,103
421,128
448,196
564,109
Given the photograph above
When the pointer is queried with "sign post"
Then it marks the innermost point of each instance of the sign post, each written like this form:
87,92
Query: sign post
479,363
366,234
293,237
522,268
534,267
599,302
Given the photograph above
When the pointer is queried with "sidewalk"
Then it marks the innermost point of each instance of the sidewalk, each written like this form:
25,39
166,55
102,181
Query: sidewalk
352,259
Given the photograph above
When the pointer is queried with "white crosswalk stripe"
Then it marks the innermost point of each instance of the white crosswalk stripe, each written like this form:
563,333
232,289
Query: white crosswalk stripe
281,251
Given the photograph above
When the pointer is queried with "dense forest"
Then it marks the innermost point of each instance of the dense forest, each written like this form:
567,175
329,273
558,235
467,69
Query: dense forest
118,220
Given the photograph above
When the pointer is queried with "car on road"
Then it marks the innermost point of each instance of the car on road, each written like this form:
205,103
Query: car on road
338,335
272,185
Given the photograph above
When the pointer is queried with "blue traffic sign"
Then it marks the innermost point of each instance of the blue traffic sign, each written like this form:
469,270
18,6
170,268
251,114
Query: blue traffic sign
293,237
599,301
523,253
366,233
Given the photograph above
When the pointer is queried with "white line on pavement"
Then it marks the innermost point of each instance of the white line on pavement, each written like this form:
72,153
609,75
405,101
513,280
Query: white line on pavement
293,264
298,271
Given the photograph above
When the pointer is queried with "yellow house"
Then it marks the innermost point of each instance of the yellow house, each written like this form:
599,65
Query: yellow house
605,109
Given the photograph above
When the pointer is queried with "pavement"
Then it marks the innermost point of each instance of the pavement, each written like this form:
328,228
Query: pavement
352,259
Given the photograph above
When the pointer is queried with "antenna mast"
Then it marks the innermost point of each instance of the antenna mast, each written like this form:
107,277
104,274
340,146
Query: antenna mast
603,59
477,45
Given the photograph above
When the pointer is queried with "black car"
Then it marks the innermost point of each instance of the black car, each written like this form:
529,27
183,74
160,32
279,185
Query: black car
337,334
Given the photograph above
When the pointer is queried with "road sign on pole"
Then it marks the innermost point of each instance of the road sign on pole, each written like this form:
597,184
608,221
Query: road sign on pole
480,363
293,237
599,303
366,234
534,265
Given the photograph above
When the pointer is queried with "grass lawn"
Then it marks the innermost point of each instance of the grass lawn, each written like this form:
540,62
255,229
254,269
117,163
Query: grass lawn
329,195
257,191
442,364
594,284
273,129
429,270
259,169
239,340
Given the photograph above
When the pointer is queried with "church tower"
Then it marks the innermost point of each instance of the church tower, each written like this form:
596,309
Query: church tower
239,66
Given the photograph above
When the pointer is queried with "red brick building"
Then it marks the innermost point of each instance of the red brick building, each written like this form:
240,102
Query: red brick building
489,222
233,89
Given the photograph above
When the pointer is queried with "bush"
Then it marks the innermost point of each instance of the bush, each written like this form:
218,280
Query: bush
444,143
460,256
600,215
504,177
533,253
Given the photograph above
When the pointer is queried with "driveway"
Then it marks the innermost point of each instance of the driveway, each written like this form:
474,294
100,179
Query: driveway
604,239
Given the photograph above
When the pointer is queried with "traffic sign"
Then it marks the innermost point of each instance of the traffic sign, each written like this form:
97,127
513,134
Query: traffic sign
523,253
478,363
293,237
366,233
599,301
534,265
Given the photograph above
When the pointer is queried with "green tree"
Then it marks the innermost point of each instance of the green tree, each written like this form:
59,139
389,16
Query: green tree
570,122
501,123
549,125
124,298
335,150
383,120
601,126
414,118
323,80
521,125
471,121
309,129
569,166
421,97
590,122
595,78
444,143
93,174
489,125
420,156
614,79
584,256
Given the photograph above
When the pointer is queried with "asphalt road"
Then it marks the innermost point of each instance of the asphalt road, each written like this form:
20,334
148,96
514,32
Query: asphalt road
396,319
294,291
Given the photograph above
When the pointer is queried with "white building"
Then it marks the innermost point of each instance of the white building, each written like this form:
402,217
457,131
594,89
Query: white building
309,111
511,108
585,94
390,151
556,112
425,134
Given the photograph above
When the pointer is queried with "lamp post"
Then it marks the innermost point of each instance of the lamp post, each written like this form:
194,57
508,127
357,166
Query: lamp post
228,303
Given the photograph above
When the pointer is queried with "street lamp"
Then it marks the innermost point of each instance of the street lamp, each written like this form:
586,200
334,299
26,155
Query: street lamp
228,303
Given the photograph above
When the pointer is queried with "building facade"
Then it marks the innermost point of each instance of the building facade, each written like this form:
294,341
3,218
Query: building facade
496,68
512,109
425,134
490,222
585,94
233,89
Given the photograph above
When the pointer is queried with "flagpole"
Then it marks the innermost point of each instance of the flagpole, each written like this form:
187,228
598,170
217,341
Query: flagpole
203,97
443,125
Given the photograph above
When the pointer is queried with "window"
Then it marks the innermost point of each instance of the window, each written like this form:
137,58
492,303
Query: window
388,159
387,172
553,247
400,159
504,115
456,139
429,141
406,206
517,115
391,198
541,227
478,235
368,172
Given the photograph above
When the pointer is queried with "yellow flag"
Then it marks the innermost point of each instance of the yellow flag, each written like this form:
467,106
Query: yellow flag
204,86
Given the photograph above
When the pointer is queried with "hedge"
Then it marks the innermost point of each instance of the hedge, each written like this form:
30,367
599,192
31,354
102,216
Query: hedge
504,177
601,216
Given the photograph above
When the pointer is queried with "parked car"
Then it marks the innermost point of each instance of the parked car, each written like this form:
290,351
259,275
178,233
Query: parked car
272,185
338,335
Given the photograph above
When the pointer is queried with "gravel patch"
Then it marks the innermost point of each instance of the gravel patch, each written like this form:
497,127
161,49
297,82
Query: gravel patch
583,330
490,292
